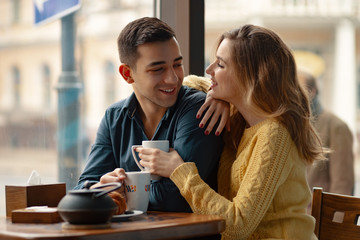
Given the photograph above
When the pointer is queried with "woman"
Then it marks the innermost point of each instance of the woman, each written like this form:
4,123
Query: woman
262,189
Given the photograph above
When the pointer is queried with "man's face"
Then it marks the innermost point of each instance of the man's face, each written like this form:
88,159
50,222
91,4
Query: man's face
158,74
304,82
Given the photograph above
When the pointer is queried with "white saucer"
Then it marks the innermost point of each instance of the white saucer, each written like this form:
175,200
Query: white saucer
127,215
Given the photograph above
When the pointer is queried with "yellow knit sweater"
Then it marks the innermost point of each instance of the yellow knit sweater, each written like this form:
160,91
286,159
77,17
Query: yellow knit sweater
263,193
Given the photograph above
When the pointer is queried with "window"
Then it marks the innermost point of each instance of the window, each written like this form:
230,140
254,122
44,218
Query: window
28,130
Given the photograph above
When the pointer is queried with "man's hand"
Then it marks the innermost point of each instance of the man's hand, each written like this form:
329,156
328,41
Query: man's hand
118,175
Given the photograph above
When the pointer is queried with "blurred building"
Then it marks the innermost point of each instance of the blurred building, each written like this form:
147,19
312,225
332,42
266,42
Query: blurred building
30,56
30,65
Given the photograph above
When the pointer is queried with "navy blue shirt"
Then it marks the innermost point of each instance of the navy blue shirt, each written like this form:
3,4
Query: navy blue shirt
121,127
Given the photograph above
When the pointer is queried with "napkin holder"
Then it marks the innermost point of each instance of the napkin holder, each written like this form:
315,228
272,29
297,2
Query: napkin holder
19,197
36,215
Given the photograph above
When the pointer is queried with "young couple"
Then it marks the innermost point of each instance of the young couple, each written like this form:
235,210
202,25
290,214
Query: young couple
262,190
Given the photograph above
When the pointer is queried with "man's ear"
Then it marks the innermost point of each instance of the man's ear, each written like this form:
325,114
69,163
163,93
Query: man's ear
125,72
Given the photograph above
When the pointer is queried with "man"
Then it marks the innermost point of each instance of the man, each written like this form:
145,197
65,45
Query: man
160,108
336,173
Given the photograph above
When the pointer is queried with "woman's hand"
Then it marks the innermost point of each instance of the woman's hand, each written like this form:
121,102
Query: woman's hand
215,109
159,162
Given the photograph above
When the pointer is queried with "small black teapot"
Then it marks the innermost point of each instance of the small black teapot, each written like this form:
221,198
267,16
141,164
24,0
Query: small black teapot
88,206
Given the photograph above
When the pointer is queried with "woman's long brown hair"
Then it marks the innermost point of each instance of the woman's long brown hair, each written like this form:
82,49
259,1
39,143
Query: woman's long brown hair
266,71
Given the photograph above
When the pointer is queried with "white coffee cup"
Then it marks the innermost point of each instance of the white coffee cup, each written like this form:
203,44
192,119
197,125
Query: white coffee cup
160,144
137,190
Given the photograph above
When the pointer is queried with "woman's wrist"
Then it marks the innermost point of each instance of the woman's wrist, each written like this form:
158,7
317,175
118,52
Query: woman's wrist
182,171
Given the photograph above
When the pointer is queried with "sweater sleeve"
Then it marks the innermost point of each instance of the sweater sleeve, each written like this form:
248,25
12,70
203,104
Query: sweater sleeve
197,82
264,167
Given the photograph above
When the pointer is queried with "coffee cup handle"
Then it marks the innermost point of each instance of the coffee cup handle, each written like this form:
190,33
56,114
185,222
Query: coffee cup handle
135,158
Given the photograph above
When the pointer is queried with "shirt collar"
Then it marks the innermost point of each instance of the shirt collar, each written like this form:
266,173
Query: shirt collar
131,104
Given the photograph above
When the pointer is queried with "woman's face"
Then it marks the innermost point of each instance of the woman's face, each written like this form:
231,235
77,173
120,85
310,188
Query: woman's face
223,75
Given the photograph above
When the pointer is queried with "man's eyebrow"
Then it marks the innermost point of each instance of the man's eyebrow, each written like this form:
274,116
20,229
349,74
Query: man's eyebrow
162,62
155,63
178,58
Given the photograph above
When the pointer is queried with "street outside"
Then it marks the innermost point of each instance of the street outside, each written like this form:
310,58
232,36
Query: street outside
16,166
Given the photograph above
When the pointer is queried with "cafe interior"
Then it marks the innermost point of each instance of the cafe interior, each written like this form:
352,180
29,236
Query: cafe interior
38,169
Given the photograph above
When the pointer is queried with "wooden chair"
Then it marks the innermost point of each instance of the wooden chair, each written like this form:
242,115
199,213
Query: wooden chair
336,215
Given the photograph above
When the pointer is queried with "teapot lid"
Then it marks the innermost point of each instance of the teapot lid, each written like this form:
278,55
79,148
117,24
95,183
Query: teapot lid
97,191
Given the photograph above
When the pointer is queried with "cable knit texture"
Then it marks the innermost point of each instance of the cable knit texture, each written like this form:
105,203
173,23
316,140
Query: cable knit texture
263,193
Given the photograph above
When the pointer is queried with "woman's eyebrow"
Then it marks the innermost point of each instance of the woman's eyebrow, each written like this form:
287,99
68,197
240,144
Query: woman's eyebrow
220,58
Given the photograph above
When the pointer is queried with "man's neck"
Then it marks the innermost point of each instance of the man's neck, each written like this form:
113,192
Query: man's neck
151,119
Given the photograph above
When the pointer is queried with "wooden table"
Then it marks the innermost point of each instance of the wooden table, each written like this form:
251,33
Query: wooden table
150,225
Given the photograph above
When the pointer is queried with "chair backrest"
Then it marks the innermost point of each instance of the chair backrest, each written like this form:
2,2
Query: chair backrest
336,215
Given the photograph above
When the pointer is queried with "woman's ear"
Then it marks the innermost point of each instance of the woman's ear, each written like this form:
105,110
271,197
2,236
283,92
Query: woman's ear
125,72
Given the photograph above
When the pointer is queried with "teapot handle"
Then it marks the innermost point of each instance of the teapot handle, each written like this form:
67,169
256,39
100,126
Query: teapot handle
116,185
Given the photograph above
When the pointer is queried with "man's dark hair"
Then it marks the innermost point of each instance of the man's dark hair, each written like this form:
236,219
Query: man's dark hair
310,81
138,32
